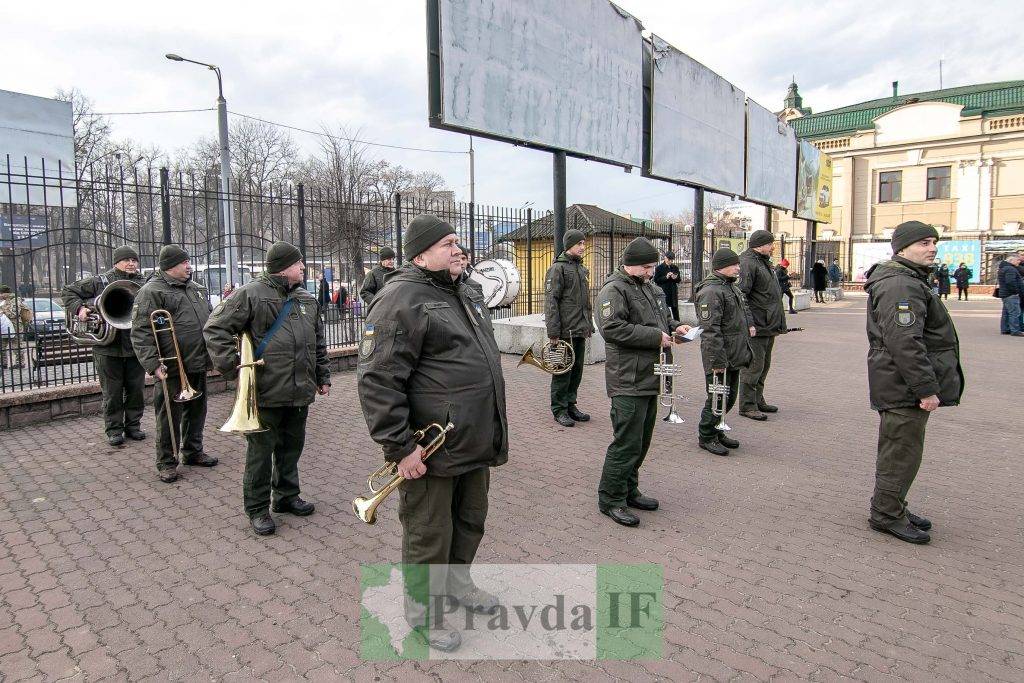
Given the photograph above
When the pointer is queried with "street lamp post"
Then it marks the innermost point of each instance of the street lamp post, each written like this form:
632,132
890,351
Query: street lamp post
225,167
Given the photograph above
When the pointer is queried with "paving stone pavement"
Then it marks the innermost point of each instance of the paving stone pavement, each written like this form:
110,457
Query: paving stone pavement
770,568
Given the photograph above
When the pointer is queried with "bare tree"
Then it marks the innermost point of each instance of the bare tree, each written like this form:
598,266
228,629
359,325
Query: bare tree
92,131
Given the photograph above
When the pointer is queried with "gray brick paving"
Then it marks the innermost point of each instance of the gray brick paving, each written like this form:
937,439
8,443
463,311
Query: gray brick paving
770,569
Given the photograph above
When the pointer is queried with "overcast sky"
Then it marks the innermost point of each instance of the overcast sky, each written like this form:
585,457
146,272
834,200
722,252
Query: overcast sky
364,64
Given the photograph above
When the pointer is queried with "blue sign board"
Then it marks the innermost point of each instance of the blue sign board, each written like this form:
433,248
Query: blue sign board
955,252
22,232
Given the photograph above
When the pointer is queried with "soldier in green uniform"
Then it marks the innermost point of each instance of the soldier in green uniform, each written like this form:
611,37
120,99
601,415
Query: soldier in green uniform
724,342
568,315
428,355
913,368
636,325
122,379
761,289
374,280
287,330
172,288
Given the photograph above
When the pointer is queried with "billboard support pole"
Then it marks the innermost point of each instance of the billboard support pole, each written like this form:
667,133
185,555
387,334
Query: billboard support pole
812,235
559,203
697,239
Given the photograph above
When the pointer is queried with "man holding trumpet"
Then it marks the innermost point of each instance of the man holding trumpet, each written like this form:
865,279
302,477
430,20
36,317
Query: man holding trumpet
428,356
636,325
285,324
724,345
172,289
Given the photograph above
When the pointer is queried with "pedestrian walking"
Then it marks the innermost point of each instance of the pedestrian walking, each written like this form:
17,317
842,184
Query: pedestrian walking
963,276
782,273
1011,285
943,277
819,279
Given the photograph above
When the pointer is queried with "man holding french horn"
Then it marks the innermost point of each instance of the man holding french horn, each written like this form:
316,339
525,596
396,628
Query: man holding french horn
167,333
568,315
428,357
636,325
724,347
283,321
122,379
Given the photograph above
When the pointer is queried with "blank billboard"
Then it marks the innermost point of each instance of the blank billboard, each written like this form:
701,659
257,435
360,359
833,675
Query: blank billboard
564,75
814,184
696,123
37,130
771,159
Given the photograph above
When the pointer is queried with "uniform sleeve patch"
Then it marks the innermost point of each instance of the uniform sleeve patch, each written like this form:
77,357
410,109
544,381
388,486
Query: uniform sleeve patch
606,308
904,314
704,311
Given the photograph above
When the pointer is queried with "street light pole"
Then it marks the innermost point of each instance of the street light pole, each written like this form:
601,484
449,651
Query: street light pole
225,169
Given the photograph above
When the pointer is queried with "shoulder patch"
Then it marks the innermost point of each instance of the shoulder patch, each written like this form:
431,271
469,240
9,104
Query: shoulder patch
704,311
606,308
369,341
904,314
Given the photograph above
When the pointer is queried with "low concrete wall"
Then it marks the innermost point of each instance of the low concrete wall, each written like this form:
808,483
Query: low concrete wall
515,335
76,400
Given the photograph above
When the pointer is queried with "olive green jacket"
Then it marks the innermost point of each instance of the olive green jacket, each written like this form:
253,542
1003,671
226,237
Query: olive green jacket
725,320
295,359
631,315
373,283
567,309
913,349
189,307
761,289
428,355
84,293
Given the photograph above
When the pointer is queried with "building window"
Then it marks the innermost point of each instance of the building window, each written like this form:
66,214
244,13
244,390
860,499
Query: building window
889,184
938,182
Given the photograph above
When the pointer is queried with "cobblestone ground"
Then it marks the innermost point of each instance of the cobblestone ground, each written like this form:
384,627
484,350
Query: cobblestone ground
770,568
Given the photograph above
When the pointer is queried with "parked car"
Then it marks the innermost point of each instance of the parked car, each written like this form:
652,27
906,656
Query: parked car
47,316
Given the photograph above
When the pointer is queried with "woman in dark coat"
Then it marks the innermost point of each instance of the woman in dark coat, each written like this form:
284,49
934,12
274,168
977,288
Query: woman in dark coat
963,276
782,275
943,281
819,278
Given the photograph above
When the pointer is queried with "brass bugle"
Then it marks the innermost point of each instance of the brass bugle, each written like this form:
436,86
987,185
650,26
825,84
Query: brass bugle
245,416
366,508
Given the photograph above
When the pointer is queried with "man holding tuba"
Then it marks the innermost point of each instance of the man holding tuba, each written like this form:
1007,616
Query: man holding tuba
172,289
122,378
428,355
568,315
636,325
285,324
724,344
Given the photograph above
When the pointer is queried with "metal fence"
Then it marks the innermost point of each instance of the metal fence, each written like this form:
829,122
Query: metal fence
56,229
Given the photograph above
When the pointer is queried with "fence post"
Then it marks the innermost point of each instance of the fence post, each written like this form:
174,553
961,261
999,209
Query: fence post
670,237
611,248
398,228
165,203
529,260
302,221
472,230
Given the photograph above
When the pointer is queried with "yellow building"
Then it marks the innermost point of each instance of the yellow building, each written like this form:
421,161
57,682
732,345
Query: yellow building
953,158
607,235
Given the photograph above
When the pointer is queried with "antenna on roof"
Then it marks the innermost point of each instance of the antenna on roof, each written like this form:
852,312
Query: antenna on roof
940,73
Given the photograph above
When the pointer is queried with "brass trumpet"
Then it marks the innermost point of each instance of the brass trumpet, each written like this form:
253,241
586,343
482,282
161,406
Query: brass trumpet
667,396
719,390
245,417
161,322
366,508
556,358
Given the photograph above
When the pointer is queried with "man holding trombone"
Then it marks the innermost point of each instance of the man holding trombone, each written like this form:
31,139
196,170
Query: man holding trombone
636,325
167,333
428,357
283,320
122,379
724,347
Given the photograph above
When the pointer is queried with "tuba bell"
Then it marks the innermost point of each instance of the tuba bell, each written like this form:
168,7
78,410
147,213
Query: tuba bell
556,358
113,312
245,417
